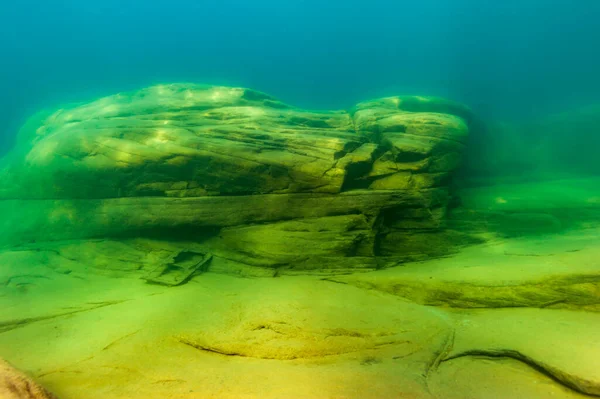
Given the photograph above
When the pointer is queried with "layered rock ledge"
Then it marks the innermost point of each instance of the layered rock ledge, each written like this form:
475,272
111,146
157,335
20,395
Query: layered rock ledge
258,183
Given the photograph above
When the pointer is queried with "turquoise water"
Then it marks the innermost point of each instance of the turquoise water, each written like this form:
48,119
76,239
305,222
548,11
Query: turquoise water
507,60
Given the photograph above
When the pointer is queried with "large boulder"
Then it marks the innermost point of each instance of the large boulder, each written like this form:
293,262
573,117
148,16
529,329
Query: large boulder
255,180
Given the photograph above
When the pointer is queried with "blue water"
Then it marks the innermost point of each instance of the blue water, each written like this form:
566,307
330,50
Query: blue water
507,59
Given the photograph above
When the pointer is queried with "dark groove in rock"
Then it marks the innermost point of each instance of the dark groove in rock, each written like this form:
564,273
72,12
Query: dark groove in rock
439,358
208,349
581,385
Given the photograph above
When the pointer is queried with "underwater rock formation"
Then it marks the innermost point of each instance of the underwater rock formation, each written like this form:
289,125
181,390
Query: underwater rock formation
16,385
257,182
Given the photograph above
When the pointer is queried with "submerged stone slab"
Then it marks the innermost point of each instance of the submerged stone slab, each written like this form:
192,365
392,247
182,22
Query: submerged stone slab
563,345
134,340
475,377
527,273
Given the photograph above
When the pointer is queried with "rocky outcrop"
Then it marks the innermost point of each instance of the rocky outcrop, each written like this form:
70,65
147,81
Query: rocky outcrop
259,182
16,385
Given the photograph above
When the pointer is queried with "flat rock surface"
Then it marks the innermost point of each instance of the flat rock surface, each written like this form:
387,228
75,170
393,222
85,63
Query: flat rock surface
85,334
218,335
480,377
552,271
564,345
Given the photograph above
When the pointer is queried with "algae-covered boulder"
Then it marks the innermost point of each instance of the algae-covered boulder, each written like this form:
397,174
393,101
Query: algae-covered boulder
256,180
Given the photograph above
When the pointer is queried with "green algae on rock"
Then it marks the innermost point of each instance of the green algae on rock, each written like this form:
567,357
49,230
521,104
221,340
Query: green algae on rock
259,182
